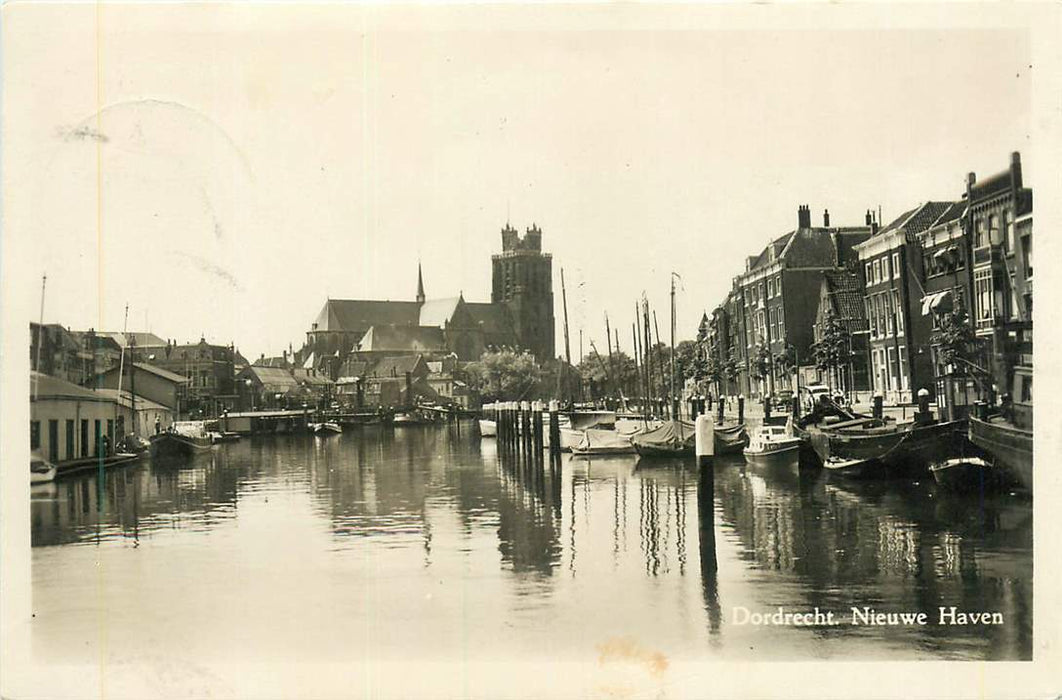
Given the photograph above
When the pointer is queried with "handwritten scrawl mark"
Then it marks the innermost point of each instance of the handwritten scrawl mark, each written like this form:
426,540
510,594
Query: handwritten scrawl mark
81,133
625,649
210,268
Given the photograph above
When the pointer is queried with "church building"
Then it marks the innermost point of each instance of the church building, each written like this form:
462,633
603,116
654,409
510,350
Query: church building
519,315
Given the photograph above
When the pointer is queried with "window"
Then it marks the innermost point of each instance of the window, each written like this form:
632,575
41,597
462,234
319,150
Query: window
1008,231
84,438
98,435
770,287
892,369
979,234
896,265
70,439
1026,390
867,272
890,313
993,229
983,295
778,285
899,311
1026,254
870,317
905,382
35,434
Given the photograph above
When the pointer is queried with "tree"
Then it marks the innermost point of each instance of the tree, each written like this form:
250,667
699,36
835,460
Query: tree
761,362
504,375
832,351
957,345
609,375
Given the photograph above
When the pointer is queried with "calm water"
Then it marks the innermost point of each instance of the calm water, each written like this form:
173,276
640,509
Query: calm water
419,542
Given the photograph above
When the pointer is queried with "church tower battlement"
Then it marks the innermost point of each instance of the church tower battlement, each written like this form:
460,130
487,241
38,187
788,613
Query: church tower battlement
523,281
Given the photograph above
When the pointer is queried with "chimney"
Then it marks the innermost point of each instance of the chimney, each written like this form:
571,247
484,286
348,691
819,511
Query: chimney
804,216
825,218
869,219
1015,170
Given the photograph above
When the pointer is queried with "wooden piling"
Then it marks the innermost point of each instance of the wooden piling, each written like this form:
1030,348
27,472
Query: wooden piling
741,408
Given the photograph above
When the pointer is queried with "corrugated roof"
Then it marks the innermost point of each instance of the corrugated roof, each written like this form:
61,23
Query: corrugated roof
126,400
49,387
273,377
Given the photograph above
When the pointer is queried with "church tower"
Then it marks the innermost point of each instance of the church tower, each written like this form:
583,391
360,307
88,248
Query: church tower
420,285
523,281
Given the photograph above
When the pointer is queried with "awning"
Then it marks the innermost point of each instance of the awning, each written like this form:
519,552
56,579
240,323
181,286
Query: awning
938,302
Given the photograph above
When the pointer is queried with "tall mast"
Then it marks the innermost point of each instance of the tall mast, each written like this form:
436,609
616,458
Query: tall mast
121,364
40,337
674,402
608,342
564,302
637,376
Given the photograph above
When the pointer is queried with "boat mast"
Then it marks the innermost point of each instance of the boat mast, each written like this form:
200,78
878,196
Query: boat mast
608,342
674,399
564,302
40,336
121,364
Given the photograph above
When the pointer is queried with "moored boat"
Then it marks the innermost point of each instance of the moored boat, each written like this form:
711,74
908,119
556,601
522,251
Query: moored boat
854,467
672,438
1010,446
772,444
325,429
41,470
964,474
730,439
183,439
603,442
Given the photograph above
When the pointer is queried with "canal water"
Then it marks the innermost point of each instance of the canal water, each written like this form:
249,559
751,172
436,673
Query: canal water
421,543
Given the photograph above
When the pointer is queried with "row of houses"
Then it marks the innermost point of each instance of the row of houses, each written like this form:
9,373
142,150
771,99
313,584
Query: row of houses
887,285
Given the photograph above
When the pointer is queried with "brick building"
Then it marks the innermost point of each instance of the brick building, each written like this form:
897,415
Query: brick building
776,299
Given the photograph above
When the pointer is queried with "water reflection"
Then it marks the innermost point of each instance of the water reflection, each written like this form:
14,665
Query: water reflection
426,520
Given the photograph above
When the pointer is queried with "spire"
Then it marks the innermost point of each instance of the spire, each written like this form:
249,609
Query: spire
420,285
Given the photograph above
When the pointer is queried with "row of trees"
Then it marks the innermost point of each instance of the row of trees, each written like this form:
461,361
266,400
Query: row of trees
508,374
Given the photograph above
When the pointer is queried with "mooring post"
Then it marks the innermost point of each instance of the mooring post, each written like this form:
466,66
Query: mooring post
720,407
766,408
879,406
705,440
537,408
554,430
525,409
741,408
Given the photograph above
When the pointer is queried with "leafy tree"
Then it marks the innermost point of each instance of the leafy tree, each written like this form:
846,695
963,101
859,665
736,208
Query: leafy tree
832,351
957,344
606,373
504,375
761,362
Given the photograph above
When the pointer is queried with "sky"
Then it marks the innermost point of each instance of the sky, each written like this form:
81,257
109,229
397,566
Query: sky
223,171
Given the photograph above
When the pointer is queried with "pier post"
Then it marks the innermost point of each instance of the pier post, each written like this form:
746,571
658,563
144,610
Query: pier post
705,440
554,430
741,408
525,425
796,406
766,408
923,416
537,417
879,406
720,405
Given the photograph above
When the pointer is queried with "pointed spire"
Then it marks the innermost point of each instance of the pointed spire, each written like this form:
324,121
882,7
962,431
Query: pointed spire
420,285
